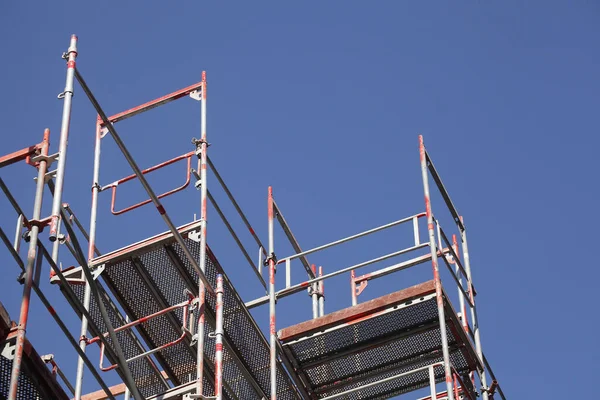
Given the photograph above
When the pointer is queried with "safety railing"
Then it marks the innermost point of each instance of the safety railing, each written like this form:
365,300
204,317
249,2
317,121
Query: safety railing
57,371
298,287
185,305
462,266
430,372
114,185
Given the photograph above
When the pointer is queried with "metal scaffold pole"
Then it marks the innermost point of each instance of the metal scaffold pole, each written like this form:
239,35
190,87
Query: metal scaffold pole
321,294
272,332
29,269
91,247
67,96
202,147
478,349
314,291
219,340
436,272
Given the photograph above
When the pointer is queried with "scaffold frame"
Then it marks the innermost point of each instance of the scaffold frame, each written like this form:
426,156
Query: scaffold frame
160,347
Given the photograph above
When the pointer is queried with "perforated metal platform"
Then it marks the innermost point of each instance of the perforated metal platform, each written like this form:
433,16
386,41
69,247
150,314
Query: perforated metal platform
375,340
35,381
151,275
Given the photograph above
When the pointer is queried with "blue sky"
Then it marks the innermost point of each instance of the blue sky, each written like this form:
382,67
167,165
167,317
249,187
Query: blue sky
325,102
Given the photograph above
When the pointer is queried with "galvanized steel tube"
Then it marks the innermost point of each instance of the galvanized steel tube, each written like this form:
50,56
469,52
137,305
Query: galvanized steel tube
219,340
67,95
91,248
29,270
436,272
478,348
272,332
203,225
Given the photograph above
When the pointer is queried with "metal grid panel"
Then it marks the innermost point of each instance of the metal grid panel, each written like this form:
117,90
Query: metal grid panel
352,335
26,389
170,284
350,356
401,385
129,287
34,378
146,378
149,277
242,333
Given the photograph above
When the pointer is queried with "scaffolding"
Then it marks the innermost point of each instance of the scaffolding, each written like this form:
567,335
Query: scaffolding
169,321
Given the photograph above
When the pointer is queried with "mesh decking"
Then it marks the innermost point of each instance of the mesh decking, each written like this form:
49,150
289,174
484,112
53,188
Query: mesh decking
35,381
375,340
152,275
146,377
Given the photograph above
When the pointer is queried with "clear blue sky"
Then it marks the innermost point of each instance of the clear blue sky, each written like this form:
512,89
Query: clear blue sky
325,102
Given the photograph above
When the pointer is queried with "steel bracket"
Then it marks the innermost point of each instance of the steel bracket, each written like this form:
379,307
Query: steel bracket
98,270
8,351
40,157
48,176
361,287
73,275
194,235
40,223
196,94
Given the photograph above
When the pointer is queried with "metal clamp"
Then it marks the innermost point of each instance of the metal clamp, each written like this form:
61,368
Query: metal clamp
198,183
196,94
198,143
62,94
269,258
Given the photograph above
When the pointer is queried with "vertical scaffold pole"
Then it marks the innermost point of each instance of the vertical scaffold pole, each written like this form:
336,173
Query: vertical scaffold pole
432,389
467,260
353,288
200,340
127,394
91,246
203,223
67,95
315,294
29,269
272,332
461,296
219,340
321,294
436,272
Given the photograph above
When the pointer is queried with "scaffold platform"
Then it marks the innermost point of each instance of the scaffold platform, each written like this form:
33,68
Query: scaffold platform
35,381
376,340
151,275
170,323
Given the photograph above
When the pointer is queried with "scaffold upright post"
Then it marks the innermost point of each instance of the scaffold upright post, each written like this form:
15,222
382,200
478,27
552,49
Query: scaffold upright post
432,389
461,298
219,339
67,96
202,146
314,293
353,288
436,273
321,294
475,322
200,341
91,247
272,331
29,269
